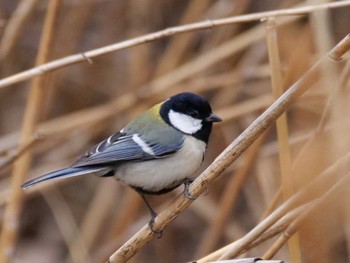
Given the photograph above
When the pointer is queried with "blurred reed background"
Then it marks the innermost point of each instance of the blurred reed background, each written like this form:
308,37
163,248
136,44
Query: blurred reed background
49,121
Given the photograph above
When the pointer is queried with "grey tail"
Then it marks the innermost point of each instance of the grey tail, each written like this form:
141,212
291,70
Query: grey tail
63,173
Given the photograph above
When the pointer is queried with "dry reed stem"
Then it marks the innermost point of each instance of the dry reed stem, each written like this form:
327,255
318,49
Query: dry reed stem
228,199
311,191
296,224
282,128
230,154
14,206
15,26
66,223
73,59
342,47
281,122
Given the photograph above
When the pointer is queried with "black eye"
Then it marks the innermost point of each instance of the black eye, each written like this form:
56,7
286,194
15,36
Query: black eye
193,113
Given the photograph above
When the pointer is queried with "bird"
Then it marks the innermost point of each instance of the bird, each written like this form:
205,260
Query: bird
155,153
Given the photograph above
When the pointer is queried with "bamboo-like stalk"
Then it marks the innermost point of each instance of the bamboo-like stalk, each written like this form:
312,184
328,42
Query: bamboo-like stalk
73,59
230,154
32,112
282,128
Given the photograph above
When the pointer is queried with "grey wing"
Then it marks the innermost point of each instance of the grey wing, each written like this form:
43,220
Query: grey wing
126,147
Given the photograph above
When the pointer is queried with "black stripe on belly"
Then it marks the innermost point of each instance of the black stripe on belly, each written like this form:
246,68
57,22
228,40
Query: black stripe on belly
160,192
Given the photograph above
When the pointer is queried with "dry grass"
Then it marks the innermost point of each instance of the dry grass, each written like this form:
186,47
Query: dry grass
295,177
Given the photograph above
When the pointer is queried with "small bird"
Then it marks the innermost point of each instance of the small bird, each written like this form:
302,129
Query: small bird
155,153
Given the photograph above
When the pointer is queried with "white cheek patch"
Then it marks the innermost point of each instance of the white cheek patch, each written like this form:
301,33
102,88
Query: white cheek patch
184,123
144,146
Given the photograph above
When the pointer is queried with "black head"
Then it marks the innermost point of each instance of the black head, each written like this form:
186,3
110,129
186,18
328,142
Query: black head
190,114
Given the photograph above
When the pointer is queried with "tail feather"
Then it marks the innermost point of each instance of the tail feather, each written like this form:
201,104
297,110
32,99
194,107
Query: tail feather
63,173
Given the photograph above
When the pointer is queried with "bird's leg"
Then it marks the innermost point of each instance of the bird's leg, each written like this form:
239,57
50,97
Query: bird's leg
159,233
186,193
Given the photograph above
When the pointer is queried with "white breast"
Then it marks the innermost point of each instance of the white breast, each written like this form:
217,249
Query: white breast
159,174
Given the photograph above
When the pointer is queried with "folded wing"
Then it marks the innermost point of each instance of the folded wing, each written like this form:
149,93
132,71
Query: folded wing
128,147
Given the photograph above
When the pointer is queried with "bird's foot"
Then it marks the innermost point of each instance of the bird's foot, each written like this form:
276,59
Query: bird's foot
158,233
186,193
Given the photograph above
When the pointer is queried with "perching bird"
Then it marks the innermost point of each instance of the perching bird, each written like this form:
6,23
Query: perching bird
155,153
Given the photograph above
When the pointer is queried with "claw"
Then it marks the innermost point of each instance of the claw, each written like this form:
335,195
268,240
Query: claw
186,193
158,233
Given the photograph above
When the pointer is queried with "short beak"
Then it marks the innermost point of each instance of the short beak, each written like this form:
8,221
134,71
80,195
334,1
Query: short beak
213,118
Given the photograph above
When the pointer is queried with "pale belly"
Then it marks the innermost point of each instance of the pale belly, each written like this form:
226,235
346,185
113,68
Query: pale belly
166,173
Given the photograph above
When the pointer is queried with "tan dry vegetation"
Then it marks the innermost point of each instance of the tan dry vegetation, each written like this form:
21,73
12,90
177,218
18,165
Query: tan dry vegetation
285,197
